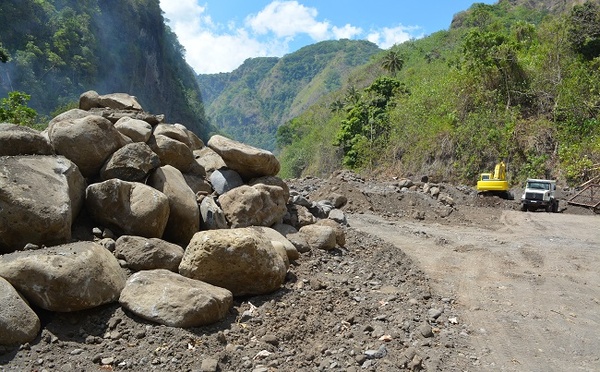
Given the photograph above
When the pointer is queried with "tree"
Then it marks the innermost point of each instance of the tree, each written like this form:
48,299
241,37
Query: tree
584,31
392,62
4,56
14,109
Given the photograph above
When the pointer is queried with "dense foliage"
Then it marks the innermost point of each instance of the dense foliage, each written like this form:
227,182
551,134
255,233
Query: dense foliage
59,49
506,82
251,102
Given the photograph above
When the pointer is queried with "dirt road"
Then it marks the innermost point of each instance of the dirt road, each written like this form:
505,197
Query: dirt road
529,283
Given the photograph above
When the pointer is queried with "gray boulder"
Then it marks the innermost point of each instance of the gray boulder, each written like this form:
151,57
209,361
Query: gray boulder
68,115
18,323
69,277
242,260
39,199
184,216
198,184
136,129
87,142
259,205
250,162
130,208
20,140
294,236
272,181
224,180
340,234
147,254
211,215
131,162
168,298
194,142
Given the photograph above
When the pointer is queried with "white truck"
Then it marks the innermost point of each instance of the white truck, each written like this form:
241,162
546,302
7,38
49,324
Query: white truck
539,194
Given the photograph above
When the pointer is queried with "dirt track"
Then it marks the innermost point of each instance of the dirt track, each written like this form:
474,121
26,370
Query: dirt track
528,283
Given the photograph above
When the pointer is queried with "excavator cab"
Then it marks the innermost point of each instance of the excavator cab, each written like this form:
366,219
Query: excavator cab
494,183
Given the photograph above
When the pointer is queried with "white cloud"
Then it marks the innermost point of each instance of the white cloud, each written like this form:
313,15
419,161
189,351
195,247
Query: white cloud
346,32
212,47
287,19
387,37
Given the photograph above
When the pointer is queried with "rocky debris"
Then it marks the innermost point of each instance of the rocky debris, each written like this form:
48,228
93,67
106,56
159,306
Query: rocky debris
130,192
68,277
39,200
168,298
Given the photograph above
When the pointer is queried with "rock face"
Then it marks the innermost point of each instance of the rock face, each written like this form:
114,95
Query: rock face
242,260
184,216
39,199
19,140
168,298
148,254
69,277
259,205
250,162
128,207
18,323
87,142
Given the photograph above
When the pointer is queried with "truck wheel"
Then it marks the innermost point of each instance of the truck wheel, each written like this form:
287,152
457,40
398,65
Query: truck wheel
555,206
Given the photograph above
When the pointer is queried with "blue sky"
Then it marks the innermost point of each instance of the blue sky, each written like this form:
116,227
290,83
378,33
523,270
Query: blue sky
219,35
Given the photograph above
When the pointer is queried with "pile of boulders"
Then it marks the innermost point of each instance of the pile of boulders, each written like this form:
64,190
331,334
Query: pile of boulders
179,228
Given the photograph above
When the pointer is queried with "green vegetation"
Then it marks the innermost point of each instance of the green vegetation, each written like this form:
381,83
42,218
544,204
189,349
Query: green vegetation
506,82
59,49
250,103
14,109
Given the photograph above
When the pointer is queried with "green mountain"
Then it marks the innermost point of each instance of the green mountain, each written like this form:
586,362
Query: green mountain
517,81
61,48
251,102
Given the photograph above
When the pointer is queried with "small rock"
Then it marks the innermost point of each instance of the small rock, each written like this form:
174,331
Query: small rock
426,330
209,365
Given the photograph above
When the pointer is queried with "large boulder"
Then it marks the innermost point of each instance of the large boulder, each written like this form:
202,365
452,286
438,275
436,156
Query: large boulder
136,129
224,180
40,196
259,205
117,101
148,253
242,260
294,236
250,162
172,152
320,236
68,115
20,140
130,208
290,252
340,234
69,277
168,298
194,142
184,217
87,142
18,323
131,162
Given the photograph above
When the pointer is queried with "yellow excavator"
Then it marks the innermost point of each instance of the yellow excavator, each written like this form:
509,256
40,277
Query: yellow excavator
495,183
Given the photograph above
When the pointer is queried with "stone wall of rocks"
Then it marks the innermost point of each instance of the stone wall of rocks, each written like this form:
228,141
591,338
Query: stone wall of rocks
178,228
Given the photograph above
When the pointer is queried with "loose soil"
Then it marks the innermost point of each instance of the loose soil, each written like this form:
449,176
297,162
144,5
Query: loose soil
419,285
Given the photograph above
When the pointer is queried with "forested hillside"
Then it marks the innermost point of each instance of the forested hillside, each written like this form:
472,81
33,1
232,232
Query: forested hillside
517,81
251,102
58,49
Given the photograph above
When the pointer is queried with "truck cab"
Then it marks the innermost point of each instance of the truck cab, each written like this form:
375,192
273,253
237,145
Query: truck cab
539,194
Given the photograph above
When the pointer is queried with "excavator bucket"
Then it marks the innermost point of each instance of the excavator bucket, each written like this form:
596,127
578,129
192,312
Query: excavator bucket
588,197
